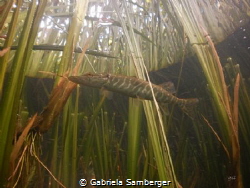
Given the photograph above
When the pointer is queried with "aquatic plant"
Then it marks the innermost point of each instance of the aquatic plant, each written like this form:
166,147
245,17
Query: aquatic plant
67,132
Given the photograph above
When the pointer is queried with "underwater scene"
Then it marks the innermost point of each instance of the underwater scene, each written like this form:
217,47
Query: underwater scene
127,93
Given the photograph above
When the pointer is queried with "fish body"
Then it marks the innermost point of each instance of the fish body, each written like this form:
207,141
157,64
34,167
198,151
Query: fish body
132,87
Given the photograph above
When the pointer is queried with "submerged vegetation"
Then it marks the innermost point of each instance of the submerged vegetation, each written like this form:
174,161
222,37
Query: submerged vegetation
54,132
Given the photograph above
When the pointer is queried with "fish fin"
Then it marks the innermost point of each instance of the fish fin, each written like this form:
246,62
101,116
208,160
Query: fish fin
164,109
168,86
106,93
189,107
138,98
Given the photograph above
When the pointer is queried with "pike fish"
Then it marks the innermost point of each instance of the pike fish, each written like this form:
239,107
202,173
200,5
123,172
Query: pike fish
133,87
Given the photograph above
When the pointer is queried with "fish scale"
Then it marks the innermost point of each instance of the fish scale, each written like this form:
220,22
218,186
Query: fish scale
132,87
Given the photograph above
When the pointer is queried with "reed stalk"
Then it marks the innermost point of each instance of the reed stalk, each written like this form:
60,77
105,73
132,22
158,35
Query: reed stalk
9,40
12,93
163,159
134,127
209,61
128,38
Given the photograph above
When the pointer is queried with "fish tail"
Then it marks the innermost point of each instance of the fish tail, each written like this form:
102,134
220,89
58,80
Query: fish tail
188,106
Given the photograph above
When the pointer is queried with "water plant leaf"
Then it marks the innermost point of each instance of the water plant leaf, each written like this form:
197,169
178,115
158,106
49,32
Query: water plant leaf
4,51
58,98
5,8
20,141
236,103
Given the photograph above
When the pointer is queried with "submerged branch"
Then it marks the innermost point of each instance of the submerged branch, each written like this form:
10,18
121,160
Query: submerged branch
61,48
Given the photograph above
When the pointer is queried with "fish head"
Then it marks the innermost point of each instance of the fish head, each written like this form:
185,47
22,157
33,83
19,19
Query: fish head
90,79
